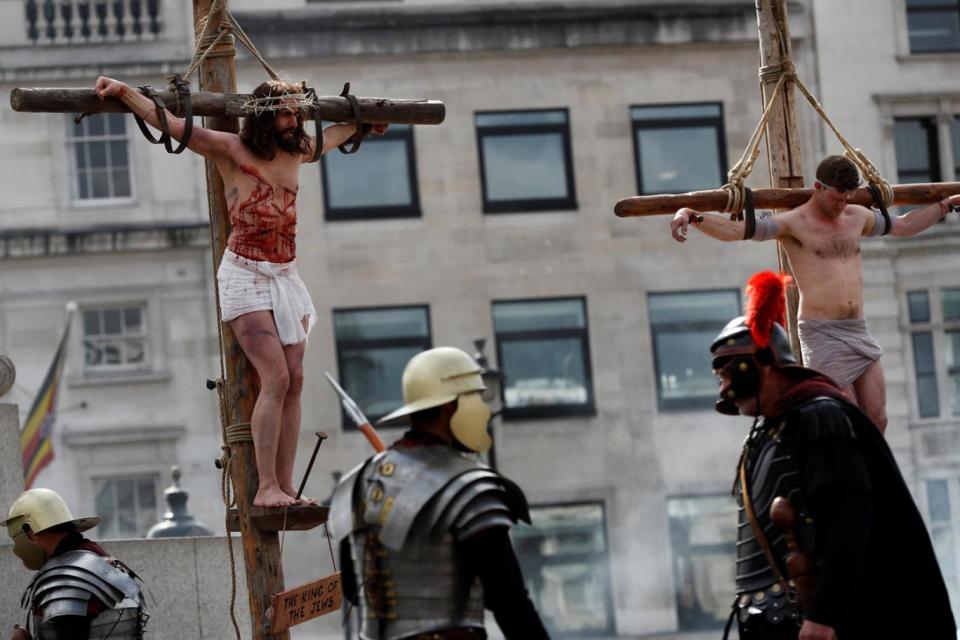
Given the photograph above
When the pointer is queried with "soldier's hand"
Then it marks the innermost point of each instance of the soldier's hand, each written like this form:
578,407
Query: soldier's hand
684,217
108,87
814,631
19,633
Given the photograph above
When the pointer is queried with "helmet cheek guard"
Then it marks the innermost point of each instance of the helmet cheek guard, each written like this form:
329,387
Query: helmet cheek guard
30,553
743,374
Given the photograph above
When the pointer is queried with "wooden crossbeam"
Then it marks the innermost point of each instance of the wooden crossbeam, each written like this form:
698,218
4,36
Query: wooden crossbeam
332,108
716,199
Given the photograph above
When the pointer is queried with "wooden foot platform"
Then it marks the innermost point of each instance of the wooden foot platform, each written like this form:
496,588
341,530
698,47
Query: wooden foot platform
298,518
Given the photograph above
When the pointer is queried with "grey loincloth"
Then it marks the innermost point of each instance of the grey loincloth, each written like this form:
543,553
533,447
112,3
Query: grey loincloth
840,349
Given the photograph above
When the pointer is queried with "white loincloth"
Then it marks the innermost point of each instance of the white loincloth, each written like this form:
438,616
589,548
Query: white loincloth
251,285
840,349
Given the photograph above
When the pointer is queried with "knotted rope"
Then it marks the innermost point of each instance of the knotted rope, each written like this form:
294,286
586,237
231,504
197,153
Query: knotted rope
786,72
229,502
228,29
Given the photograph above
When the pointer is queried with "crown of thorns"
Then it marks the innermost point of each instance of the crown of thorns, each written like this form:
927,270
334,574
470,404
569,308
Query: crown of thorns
256,106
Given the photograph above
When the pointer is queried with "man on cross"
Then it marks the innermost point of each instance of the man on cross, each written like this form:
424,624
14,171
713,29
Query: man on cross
261,293
822,240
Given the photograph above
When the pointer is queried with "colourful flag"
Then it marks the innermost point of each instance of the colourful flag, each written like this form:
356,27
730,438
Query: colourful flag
36,439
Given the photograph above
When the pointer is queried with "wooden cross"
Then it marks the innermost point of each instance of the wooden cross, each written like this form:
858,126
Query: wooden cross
784,156
221,106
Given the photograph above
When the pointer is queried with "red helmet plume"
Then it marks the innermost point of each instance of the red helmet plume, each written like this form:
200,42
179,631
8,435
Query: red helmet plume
766,304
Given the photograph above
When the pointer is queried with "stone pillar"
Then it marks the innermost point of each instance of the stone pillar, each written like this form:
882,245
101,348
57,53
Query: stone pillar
11,465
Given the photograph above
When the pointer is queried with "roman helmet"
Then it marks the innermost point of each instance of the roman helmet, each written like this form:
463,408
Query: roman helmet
39,510
437,376
753,340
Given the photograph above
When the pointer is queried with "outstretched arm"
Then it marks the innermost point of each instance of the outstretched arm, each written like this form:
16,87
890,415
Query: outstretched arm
913,222
337,134
715,225
210,144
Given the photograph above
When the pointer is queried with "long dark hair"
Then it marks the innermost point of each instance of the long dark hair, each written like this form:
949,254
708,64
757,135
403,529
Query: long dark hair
258,132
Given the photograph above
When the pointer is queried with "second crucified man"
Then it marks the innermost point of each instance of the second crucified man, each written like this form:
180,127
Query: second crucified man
822,240
261,293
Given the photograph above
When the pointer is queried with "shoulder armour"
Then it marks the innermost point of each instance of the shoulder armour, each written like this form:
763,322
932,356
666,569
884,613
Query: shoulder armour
399,484
821,419
475,501
65,584
340,518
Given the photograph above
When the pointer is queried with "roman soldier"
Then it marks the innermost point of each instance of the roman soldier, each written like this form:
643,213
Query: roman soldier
423,526
830,543
79,592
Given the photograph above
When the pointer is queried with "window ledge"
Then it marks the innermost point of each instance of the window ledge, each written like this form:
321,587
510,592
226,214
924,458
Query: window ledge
138,434
120,377
102,203
928,56
947,422
543,412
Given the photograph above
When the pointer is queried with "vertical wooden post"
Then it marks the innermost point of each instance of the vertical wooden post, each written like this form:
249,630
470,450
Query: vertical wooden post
784,149
261,550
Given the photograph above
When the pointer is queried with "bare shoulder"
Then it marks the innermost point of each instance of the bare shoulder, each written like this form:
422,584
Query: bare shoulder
790,222
861,217
212,144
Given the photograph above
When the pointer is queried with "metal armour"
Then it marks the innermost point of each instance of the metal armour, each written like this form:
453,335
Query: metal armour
64,586
773,470
402,514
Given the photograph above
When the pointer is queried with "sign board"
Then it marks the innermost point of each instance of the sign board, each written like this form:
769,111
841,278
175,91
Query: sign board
306,602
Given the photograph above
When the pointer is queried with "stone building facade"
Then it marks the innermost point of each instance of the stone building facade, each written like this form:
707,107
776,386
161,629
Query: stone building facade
497,224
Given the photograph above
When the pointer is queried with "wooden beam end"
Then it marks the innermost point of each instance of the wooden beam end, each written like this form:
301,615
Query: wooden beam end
16,99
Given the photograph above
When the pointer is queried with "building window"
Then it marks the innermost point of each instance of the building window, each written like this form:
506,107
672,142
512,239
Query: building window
373,347
951,319
934,334
128,506
115,339
933,25
525,160
683,326
565,562
918,157
678,148
100,156
703,539
543,348
378,182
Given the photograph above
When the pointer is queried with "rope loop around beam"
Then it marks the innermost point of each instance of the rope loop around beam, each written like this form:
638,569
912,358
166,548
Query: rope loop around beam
736,196
237,433
772,72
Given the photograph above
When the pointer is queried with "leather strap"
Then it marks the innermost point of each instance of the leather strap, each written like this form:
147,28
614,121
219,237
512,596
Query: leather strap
361,129
754,525
318,123
182,91
749,215
878,203
184,107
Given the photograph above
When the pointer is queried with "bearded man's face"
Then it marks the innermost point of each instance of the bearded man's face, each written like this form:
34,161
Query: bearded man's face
287,130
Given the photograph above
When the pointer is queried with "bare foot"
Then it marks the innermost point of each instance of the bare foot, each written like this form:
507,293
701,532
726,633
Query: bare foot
272,498
290,491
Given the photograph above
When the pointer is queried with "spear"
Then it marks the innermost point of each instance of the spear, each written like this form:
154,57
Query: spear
352,410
